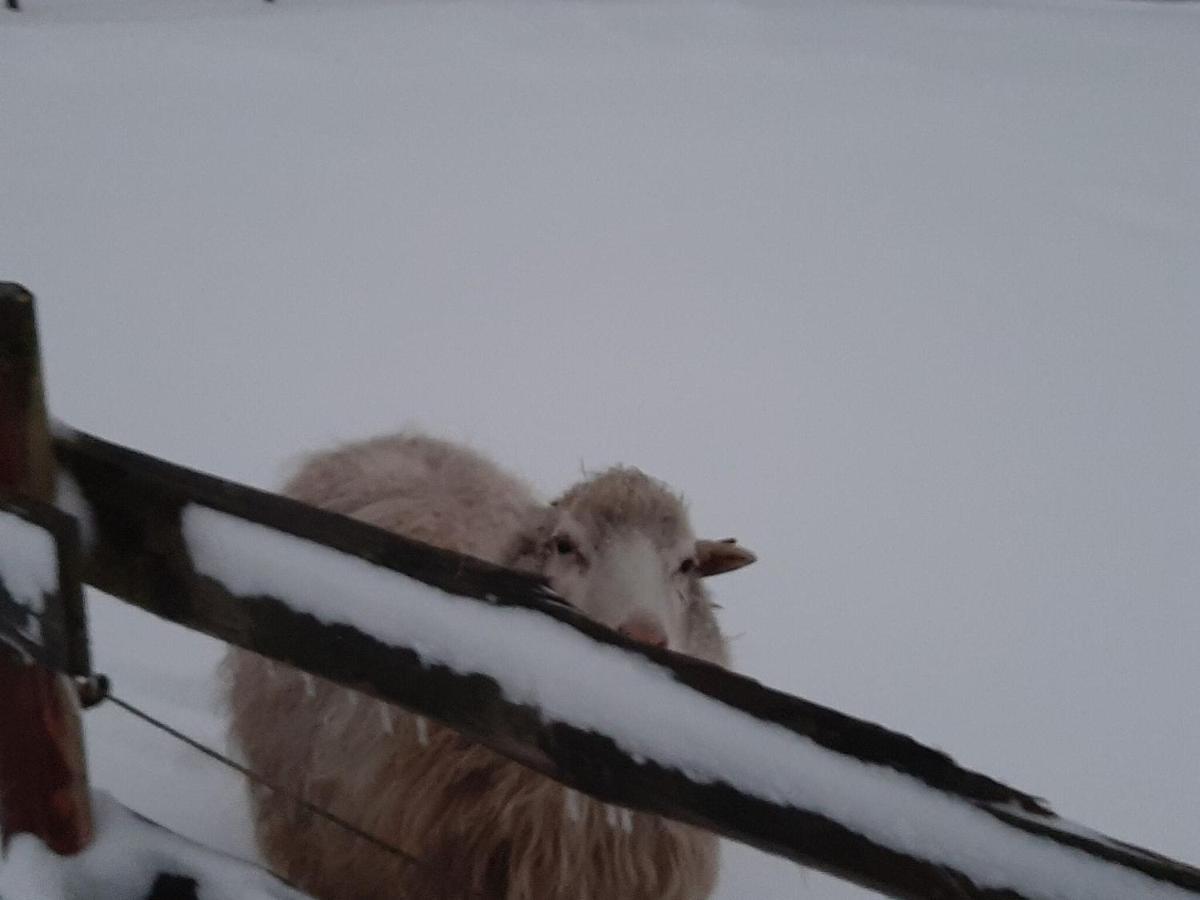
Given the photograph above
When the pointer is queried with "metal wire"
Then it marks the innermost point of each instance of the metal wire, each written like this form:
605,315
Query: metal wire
299,801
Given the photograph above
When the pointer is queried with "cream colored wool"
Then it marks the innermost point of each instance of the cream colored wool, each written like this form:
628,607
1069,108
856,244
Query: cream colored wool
485,826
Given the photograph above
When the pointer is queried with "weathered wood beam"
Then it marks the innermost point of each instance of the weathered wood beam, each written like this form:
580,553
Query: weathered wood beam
43,781
141,555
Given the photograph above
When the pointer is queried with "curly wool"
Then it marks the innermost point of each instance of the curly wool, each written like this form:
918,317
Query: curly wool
483,826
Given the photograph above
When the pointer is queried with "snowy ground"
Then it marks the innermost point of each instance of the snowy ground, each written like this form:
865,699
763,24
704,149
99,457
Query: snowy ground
903,294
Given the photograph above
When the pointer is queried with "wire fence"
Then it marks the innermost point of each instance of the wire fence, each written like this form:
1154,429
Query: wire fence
263,783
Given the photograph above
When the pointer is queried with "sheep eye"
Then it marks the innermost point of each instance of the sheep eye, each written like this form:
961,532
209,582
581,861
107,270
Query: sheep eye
564,545
686,566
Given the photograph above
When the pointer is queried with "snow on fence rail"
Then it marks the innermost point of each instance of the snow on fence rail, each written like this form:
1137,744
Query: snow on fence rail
491,653
41,604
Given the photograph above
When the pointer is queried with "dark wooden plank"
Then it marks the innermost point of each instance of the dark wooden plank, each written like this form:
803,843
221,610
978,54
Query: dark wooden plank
137,499
141,556
43,781
173,887
25,461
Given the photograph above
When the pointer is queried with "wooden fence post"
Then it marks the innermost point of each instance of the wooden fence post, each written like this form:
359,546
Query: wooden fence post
43,781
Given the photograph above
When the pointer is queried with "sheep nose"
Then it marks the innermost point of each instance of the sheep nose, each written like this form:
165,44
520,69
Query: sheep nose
644,633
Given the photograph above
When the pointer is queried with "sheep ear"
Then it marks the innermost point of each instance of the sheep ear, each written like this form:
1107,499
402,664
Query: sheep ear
715,557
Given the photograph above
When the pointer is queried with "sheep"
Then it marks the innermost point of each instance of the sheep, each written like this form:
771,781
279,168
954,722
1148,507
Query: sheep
617,546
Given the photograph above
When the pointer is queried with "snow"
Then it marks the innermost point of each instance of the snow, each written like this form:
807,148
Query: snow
626,818
571,803
28,568
900,293
123,861
69,499
543,663
386,721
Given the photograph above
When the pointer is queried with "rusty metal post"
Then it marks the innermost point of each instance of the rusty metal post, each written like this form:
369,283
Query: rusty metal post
43,781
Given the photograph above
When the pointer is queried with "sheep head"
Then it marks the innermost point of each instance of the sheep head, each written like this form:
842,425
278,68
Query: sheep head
620,549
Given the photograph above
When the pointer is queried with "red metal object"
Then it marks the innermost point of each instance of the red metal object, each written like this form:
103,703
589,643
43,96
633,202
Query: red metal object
43,780
43,785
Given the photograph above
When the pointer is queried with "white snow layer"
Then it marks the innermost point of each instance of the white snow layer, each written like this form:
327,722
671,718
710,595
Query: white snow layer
69,498
544,663
28,567
123,861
